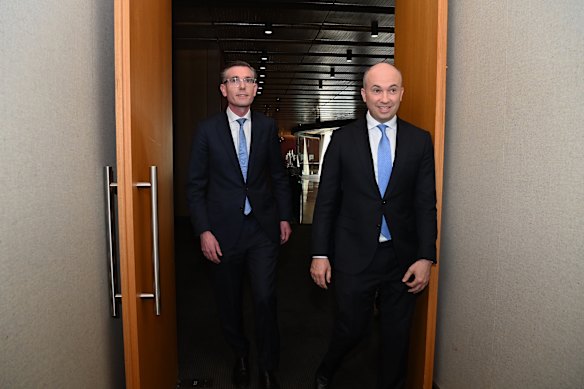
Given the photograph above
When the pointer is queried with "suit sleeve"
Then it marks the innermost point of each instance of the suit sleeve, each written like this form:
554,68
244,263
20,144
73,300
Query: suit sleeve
197,182
425,203
279,176
328,200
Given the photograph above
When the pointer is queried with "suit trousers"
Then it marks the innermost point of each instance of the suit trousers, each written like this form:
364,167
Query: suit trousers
355,295
256,255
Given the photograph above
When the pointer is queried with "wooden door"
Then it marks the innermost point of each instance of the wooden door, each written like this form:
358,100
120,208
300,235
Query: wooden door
143,139
420,54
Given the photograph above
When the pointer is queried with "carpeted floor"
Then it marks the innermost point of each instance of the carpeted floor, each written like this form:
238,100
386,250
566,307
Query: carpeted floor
305,317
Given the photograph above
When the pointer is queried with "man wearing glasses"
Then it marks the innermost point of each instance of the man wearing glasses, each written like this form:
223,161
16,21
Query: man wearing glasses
240,207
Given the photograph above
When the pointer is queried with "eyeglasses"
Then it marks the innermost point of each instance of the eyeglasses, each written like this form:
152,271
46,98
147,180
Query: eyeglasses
237,81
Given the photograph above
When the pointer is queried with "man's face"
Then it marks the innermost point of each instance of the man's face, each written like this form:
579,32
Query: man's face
239,94
382,91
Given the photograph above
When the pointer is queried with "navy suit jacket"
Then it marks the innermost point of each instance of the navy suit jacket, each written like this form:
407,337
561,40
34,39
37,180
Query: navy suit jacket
217,190
347,217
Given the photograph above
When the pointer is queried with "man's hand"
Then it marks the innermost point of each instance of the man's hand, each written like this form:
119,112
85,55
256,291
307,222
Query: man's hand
210,247
285,231
421,272
320,271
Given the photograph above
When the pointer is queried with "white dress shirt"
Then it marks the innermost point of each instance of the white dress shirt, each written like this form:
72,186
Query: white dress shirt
234,126
375,137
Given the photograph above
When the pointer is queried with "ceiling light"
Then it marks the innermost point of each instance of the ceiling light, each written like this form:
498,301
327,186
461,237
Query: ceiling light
374,29
262,75
332,72
261,81
264,55
262,67
349,55
268,29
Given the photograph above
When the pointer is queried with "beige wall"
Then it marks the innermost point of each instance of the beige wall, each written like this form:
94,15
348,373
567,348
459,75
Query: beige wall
57,131
511,305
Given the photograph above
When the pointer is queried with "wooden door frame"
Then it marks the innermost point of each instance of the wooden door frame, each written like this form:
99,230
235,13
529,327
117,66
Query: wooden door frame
150,361
420,54
421,29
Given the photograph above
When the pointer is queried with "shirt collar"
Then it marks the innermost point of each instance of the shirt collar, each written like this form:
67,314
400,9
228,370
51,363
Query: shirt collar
233,117
372,123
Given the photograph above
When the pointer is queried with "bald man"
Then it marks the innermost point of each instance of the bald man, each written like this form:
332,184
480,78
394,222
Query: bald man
374,227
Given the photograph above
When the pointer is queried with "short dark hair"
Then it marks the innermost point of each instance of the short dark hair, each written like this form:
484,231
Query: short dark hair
234,64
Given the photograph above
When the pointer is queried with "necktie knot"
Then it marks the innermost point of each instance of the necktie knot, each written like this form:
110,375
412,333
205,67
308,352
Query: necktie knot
241,121
382,128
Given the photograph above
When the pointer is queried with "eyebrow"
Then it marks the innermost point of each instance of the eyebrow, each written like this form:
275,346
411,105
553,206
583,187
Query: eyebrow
378,86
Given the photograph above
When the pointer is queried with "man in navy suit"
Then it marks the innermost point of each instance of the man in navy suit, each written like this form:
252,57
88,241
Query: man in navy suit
239,200
374,226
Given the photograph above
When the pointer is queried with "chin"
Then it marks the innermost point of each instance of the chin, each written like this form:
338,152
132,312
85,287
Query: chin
386,117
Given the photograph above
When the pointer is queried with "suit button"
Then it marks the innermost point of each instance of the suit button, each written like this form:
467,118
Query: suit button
379,226
241,208
384,202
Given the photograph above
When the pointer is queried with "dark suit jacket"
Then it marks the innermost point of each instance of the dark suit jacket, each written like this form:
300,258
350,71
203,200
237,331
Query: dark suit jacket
216,189
347,217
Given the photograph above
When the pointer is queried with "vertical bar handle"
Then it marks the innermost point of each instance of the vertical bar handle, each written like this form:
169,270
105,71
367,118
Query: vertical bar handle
153,185
111,187
155,246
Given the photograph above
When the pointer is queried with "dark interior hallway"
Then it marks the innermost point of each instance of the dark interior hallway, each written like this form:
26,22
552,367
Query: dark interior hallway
305,316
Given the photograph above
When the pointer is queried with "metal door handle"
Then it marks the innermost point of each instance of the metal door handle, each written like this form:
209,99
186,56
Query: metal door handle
111,188
153,184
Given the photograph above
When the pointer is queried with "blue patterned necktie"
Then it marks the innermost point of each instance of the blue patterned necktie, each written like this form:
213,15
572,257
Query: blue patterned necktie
243,159
384,167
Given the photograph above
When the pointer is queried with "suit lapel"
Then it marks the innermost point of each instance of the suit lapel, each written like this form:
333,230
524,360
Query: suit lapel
400,151
363,148
224,132
255,138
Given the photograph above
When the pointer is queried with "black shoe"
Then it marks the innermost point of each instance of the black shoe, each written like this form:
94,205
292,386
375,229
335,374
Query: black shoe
268,380
321,382
322,379
241,373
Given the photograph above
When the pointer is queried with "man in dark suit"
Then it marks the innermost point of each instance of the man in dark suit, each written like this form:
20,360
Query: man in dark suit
374,226
239,202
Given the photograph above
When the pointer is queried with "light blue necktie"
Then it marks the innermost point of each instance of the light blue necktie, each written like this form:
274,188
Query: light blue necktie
243,159
384,167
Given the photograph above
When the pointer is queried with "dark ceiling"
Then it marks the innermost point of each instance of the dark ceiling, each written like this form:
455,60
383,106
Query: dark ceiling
310,40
